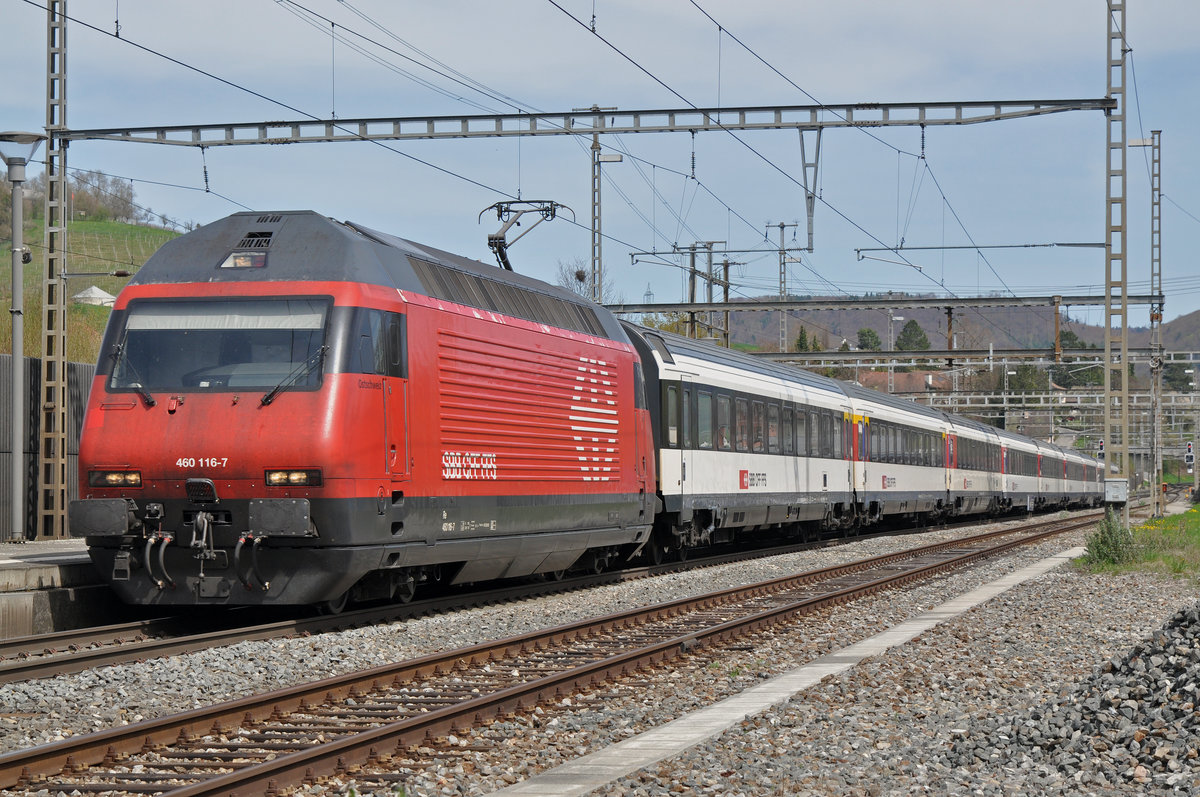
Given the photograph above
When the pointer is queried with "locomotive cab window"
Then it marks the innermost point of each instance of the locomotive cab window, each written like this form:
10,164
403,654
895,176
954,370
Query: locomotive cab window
378,344
220,344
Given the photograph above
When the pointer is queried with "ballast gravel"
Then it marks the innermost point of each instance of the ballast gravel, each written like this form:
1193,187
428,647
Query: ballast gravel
1059,686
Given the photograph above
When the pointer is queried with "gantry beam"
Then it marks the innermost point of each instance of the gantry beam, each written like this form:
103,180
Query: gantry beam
879,303
961,357
587,122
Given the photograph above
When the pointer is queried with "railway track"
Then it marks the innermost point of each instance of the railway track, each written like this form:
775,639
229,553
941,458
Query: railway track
379,718
69,651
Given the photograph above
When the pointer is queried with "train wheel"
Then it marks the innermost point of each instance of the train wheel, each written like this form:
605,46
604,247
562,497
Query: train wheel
334,605
405,591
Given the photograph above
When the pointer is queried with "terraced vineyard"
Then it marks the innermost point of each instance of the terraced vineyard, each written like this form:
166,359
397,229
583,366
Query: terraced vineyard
94,248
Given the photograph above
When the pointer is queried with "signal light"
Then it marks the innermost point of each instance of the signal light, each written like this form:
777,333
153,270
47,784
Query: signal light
1101,446
1189,447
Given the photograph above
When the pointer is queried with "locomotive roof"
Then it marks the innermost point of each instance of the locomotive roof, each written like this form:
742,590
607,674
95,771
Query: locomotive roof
306,246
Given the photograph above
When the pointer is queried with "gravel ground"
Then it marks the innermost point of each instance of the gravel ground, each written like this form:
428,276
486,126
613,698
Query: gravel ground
936,715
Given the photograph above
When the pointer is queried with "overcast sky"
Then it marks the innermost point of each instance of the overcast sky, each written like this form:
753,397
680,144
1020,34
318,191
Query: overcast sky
1018,182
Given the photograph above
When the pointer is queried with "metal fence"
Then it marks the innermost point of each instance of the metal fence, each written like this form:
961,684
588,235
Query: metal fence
79,381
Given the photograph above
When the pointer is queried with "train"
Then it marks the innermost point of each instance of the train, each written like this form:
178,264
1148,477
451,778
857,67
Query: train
292,410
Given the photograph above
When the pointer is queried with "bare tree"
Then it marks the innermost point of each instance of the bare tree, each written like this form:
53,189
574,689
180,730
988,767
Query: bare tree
576,276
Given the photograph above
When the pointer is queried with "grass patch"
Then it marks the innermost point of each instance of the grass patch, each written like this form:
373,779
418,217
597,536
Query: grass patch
92,248
1169,545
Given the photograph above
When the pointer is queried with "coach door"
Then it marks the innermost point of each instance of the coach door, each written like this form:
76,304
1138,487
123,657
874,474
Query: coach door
951,458
395,397
858,451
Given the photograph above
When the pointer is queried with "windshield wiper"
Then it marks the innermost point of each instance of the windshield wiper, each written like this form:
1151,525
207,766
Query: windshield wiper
299,372
118,356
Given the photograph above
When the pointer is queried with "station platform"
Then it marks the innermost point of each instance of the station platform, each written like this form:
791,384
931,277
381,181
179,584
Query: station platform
48,585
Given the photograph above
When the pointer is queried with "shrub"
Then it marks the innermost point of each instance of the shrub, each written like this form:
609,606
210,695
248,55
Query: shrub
1111,543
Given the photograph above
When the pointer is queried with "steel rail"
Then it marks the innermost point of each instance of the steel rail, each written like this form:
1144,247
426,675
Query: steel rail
63,652
342,755
70,754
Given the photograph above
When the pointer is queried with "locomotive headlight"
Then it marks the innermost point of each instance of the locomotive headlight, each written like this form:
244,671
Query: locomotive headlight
114,478
293,478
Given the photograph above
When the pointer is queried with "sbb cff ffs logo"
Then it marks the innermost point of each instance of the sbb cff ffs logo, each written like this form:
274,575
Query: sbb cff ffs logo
748,479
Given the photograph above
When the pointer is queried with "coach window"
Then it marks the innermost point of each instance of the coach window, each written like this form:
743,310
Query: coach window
801,432
704,420
723,423
773,429
687,418
741,411
672,415
759,432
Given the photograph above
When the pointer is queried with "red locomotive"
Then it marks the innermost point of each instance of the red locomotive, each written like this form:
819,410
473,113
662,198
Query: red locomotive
292,410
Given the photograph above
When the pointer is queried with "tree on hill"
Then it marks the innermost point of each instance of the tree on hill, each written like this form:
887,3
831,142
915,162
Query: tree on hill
1175,377
868,340
912,338
802,340
1068,375
95,196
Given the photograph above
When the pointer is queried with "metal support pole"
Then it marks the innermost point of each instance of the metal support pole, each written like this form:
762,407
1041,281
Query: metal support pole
809,178
725,291
1116,317
52,454
709,315
783,315
16,176
597,277
1156,317
691,324
950,333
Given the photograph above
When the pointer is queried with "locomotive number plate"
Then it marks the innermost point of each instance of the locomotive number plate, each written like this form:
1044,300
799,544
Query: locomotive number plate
201,462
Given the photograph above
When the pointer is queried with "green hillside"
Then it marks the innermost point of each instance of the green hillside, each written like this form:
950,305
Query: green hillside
93,249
